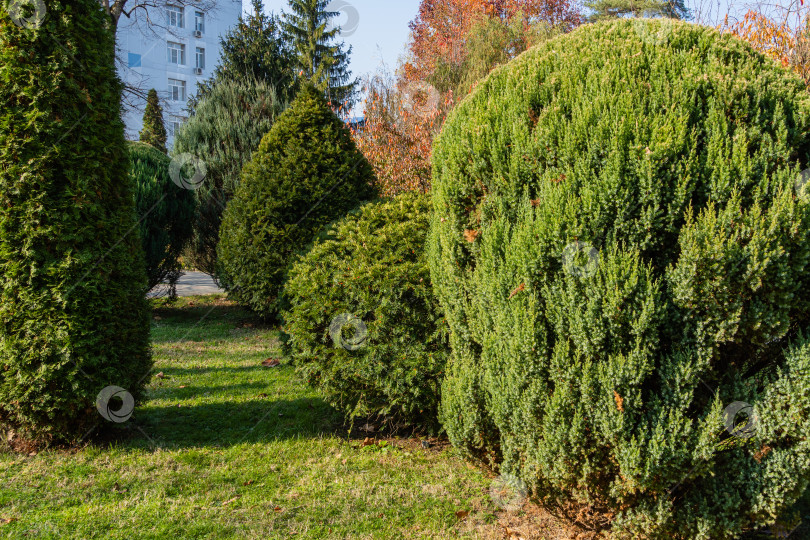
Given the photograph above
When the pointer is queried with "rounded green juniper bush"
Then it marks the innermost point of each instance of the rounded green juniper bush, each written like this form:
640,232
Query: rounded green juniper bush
621,253
73,314
306,173
363,324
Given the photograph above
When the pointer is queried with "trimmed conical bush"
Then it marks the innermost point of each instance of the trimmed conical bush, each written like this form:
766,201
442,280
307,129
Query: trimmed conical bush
73,315
620,244
306,173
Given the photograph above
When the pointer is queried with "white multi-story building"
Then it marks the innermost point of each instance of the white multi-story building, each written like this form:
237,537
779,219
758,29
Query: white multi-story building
180,48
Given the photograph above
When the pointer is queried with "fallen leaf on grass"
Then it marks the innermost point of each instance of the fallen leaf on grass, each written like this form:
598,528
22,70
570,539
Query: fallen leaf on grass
277,509
6,521
271,362
247,483
512,533
368,441
229,501
160,376
461,514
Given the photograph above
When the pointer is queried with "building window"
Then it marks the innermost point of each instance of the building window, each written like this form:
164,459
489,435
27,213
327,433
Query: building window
174,16
174,124
133,60
200,58
177,90
199,21
177,53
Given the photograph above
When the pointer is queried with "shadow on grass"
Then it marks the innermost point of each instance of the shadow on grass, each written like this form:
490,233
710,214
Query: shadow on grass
228,424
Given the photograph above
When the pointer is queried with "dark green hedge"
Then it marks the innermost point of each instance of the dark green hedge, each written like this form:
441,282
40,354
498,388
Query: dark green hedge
306,173
371,267
165,212
73,313
621,253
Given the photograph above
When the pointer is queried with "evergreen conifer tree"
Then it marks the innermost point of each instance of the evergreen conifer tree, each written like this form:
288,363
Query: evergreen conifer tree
254,50
306,173
74,319
611,9
154,131
318,57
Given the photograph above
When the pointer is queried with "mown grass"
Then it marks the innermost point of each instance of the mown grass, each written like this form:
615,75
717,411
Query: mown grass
227,448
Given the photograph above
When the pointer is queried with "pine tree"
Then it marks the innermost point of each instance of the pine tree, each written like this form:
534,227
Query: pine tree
73,314
319,58
611,9
254,50
153,132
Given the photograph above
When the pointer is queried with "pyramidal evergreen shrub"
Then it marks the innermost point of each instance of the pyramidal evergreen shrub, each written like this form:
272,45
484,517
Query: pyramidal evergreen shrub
165,213
73,313
306,173
620,245
226,128
363,325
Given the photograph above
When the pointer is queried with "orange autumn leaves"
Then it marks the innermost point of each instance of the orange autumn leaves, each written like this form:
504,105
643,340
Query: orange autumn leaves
405,111
776,37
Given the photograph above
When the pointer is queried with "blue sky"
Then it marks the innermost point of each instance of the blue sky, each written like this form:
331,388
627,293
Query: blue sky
381,33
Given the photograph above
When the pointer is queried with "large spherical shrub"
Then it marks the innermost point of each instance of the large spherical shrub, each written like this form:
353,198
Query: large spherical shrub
363,325
306,173
73,314
621,250
165,212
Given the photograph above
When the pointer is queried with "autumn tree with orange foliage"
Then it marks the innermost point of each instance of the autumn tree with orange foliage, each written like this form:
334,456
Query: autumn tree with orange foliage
782,34
453,44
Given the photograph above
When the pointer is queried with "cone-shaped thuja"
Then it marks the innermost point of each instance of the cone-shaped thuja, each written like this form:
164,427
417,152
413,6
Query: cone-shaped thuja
306,173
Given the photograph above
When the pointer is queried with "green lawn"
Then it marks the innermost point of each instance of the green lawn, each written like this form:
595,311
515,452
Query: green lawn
227,448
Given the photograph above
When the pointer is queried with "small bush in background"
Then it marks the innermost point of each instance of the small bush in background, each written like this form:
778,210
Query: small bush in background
363,325
165,212
227,125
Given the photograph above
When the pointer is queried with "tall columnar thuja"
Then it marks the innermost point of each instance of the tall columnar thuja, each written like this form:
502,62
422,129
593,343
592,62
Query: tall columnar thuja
620,244
73,315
